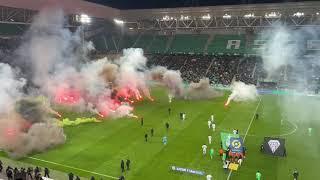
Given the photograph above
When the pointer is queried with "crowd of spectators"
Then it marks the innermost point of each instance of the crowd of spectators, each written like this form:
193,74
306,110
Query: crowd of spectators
7,45
220,69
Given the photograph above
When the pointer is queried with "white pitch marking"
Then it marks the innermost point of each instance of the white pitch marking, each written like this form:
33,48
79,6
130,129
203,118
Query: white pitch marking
245,135
108,176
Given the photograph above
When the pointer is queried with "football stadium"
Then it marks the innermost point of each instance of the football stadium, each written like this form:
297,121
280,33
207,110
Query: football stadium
159,90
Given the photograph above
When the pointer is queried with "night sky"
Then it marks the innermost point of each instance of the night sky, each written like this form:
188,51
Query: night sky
147,4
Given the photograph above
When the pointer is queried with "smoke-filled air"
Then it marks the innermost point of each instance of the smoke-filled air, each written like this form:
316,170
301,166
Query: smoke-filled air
172,80
51,69
285,61
242,92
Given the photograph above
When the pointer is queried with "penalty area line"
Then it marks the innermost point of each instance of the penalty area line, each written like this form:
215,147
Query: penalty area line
83,170
247,131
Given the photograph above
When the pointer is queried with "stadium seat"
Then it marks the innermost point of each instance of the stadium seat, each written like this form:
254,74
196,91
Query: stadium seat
159,44
144,41
189,43
12,29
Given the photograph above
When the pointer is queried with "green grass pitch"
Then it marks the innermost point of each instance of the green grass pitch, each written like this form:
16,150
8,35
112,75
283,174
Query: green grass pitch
98,147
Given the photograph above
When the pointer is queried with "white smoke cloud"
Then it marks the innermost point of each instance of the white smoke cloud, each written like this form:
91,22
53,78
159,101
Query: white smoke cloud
279,49
202,90
173,81
242,92
10,88
132,66
286,50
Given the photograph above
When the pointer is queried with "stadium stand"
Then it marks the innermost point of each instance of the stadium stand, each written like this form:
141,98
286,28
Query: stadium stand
12,29
188,43
144,41
159,44
127,41
231,44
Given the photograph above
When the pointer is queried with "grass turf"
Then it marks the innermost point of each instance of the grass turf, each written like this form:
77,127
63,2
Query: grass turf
99,147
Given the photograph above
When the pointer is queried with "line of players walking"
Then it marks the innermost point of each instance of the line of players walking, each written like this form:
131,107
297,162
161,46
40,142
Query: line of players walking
211,126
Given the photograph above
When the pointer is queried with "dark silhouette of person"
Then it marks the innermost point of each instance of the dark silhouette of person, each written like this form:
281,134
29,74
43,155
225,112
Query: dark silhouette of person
29,172
9,173
146,137
128,164
141,121
46,172
70,176
167,126
122,166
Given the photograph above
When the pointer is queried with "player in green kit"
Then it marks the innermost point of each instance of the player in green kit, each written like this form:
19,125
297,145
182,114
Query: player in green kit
224,157
211,153
258,175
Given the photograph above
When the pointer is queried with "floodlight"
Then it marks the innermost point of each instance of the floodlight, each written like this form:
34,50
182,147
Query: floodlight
206,17
84,19
298,14
165,18
250,15
272,15
226,16
182,17
118,21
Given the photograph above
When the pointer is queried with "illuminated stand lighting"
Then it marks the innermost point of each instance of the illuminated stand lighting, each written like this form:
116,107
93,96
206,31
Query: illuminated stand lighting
83,19
184,17
118,21
167,18
298,14
226,16
250,15
272,15
206,17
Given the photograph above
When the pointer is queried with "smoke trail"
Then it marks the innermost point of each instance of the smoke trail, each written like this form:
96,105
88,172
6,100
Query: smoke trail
242,92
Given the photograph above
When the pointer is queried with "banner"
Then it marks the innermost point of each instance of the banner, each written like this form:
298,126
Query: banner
225,139
236,145
186,170
274,146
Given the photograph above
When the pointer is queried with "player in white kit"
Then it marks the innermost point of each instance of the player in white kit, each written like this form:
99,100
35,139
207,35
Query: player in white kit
213,125
209,139
204,149
209,177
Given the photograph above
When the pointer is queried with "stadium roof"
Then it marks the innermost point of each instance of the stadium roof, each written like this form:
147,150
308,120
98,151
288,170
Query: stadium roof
152,4
69,7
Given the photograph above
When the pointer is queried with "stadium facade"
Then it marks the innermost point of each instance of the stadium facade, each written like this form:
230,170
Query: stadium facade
231,29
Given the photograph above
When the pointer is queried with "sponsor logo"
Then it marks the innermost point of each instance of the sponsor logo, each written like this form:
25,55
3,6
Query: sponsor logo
274,145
